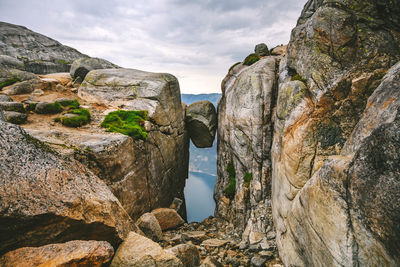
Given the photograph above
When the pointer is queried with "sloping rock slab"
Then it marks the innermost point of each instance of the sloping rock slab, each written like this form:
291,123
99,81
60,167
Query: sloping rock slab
72,253
47,199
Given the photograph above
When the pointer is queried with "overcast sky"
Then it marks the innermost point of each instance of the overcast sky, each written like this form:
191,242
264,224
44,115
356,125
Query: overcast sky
195,40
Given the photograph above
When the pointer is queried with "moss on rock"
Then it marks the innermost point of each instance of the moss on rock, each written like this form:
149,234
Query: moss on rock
127,122
251,59
83,117
8,82
230,190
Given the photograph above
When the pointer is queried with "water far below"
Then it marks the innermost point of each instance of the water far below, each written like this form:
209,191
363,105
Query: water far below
199,196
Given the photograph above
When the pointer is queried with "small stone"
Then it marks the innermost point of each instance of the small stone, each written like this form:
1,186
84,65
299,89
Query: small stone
264,244
258,261
195,236
243,245
255,237
267,254
271,235
60,88
148,224
176,204
210,262
254,248
261,50
167,218
15,117
214,243
74,90
38,92
188,254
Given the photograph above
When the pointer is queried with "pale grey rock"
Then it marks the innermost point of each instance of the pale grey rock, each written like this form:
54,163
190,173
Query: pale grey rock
258,261
38,53
201,119
244,142
7,62
20,88
57,199
137,251
5,98
81,67
188,254
12,106
15,117
38,92
261,50
148,224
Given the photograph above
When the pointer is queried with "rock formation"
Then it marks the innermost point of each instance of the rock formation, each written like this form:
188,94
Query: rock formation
47,199
201,119
329,143
243,187
81,67
33,52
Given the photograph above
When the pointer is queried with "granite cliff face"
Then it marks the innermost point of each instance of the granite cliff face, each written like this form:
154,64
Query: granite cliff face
328,139
243,188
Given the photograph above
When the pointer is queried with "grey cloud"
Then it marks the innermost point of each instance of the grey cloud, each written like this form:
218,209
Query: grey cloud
178,34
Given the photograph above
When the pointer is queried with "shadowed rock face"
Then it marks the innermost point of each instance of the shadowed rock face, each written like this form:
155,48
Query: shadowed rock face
201,119
47,199
38,53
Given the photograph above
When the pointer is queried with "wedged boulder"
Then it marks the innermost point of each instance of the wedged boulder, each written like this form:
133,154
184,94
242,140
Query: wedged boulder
138,251
201,119
81,67
188,254
148,224
72,253
44,55
167,218
45,198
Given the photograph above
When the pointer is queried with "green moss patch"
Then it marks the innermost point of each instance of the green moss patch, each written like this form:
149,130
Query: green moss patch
230,190
127,122
251,59
247,179
9,82
73,104
83,117
298,77
49,108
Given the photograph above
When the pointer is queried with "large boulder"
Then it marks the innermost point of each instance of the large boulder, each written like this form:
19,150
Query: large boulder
201,119
38,53
242,190
156,168
167,218
72,253
45,198
81,67
322,209
138,251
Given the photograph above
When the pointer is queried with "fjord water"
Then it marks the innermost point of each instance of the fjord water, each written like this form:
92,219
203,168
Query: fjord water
200,184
